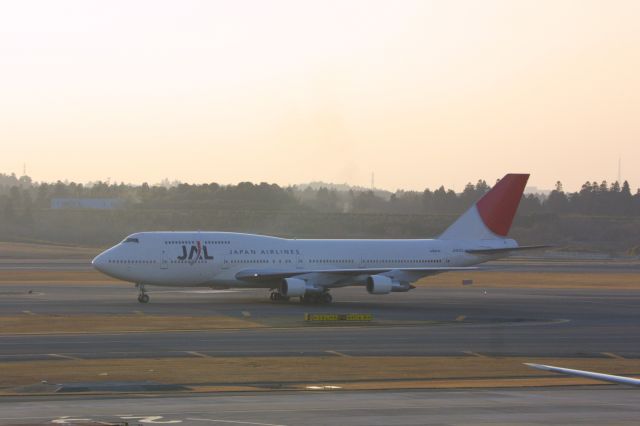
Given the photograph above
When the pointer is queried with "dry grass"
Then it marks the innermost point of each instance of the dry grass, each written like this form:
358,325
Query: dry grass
41,324
493,279
352,372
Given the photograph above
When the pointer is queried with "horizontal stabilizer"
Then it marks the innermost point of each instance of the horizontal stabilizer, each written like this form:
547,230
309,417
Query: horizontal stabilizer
504,250
271,275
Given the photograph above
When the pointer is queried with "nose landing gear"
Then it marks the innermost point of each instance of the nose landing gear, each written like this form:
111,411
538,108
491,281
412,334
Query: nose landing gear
143,297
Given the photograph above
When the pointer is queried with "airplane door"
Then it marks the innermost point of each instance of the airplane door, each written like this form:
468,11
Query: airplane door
225,262
300,262
164,263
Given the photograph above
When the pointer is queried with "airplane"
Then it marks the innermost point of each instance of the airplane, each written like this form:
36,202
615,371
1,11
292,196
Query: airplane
310,268
623,380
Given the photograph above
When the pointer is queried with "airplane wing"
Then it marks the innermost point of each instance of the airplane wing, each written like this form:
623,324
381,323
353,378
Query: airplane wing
273,275
588,374
504,250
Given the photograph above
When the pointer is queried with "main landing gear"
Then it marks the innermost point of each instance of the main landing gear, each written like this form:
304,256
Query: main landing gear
316,298
307,299
277,296
143,297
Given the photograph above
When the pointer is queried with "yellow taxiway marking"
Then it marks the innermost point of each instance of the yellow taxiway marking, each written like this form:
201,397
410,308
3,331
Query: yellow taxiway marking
29,313
336,353
65,357
246,314
461,318
476,354
138,312
612,355
198,354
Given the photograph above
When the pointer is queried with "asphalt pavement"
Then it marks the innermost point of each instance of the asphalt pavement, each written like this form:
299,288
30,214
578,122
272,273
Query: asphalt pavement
584,406
543,322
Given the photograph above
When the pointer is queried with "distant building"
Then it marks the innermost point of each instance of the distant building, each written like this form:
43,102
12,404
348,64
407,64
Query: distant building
87,203
536,191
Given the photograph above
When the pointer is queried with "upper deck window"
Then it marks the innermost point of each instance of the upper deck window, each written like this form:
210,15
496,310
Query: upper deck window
131,240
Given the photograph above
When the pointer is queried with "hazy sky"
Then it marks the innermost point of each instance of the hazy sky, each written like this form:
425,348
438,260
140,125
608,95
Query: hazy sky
419,92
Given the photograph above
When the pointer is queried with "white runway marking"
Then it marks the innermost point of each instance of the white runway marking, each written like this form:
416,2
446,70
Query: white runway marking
151,419
65,357
198,354
476,354
237,422
612,355
324,387
66,420
338,354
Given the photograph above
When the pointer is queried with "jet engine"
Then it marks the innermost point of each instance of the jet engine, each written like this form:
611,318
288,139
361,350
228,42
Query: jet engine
293,287
379,284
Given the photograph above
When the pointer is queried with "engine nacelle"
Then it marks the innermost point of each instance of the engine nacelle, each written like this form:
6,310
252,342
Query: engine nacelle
379,284
401,287
293,287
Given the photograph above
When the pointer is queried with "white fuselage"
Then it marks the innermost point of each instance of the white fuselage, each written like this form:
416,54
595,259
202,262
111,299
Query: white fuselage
216,258
310,268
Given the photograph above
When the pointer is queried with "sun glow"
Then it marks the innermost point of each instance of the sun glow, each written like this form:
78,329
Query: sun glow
421,92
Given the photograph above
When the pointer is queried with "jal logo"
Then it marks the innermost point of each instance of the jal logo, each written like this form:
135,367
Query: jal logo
195,253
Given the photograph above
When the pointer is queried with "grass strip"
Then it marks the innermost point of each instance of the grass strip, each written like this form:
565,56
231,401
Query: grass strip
390,372
51,324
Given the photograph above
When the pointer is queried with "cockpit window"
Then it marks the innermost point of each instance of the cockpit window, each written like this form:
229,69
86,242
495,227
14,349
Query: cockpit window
131,240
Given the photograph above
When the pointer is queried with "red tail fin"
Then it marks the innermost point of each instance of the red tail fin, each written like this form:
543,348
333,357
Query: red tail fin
498,207
491,217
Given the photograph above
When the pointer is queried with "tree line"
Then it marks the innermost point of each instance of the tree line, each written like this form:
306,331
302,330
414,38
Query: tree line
20,195
598,217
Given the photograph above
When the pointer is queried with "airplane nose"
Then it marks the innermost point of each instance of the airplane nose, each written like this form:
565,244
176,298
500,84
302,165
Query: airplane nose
99,262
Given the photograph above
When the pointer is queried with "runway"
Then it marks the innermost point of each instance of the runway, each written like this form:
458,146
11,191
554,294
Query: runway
459,321
601,405
498,322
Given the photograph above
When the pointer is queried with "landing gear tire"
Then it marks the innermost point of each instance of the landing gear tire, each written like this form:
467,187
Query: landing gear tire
312,298
143,297
276,297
